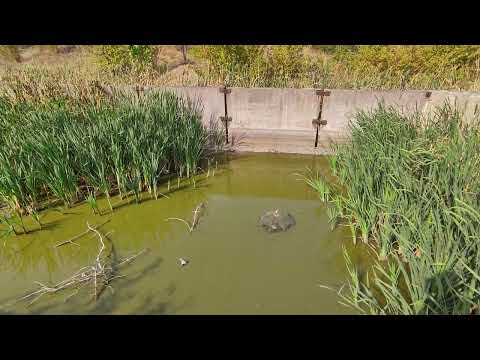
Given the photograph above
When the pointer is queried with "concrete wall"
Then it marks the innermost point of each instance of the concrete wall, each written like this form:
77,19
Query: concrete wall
280,120
467,101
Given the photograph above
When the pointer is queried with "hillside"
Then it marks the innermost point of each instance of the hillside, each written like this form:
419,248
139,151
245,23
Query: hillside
353,67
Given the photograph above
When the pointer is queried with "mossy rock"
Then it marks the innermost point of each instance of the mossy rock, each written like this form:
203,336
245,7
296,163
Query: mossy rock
277,220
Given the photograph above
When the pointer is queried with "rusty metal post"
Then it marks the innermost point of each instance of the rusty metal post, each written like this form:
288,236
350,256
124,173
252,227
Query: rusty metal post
139,89
318,121
225,119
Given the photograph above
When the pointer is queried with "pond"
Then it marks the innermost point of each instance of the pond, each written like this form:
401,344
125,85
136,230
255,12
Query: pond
234,265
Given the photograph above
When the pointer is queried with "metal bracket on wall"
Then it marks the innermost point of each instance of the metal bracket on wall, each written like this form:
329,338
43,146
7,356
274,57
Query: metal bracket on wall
225,119
139,89
318,121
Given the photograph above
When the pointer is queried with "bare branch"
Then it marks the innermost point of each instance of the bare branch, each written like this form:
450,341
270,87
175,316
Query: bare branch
100,275
71,241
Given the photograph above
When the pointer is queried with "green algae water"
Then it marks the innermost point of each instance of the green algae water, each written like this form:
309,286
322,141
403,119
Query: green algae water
234,266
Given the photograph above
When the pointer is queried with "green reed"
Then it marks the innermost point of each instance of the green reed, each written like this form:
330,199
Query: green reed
64,151
408,185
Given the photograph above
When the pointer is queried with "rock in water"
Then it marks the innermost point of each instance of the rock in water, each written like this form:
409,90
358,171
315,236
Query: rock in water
277,220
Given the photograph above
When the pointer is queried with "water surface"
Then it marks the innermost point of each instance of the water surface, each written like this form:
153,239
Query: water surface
235,266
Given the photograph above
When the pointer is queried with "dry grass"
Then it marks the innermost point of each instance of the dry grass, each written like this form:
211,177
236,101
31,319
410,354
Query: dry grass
44,73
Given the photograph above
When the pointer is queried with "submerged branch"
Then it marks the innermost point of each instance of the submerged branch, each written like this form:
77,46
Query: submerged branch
99,275
189,227
71,240
197,213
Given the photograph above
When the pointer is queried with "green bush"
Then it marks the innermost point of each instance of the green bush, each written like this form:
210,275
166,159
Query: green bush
123,58
250,65
285,60
223,63
411,60
225,56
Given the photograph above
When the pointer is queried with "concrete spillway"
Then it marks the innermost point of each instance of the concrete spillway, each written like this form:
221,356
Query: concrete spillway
280,120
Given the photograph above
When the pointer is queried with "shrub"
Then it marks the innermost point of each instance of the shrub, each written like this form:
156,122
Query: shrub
251,65
226,56
411,60
123,58
285,61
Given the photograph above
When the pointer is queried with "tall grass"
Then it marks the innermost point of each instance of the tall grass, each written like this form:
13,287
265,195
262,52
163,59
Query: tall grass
70,152
409,186
378,67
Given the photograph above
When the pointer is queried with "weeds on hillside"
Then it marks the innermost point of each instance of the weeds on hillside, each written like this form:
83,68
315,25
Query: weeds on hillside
455,67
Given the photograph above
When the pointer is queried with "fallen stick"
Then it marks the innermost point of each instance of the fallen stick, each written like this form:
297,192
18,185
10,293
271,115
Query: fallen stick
184,221
71,241
131,258
197,214
196,217
101,240
100,274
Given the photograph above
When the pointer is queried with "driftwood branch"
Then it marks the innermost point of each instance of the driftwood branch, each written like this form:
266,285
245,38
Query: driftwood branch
99,275
189,227
76,237
197,213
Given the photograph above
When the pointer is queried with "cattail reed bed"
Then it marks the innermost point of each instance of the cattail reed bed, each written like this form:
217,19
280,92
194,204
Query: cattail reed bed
59,151
408,186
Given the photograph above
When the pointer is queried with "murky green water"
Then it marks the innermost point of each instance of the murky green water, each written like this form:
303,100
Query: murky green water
235,266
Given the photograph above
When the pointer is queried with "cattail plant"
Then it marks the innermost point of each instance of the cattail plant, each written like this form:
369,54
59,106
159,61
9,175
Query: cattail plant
409,188
123,145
